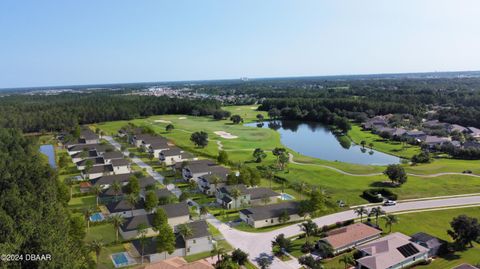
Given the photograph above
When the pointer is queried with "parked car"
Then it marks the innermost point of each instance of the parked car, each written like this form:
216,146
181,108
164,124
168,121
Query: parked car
389,203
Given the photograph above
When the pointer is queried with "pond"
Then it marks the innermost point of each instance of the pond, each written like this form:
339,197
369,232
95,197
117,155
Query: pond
49,151
317,140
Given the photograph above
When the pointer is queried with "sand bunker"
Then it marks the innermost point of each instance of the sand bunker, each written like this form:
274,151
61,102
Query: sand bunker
253,107
163,121
182,118
225,135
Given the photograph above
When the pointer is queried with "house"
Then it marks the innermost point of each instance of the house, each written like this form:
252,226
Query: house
195,169
106,181
393,251
435,124
471,145
178,263
177,214
399,132
416,135
199,241
268,215
88,136
137,139
350,236
110,195
431,242
156,147
456,128
88,154
85,147
474,132
92,161
154,140
112,155
85,186
174,155
120,166
246,196
98,171
208,184
375,123
432,141
125,209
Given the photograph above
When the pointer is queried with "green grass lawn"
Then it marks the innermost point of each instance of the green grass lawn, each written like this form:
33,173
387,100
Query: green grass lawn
105,262
104,232
384,145
82,202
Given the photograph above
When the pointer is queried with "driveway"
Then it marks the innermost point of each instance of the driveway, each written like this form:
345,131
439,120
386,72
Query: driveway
256,244
136,160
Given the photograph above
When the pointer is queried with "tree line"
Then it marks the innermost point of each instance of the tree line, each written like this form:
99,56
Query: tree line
36,113
33,209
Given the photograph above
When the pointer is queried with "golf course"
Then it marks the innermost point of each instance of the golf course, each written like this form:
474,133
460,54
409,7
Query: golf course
341,181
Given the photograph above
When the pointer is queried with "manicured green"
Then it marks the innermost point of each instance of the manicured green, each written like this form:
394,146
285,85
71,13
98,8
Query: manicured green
82,202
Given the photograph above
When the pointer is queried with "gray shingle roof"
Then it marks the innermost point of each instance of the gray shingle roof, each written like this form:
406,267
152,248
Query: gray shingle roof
112,155
108,180
172,210
124,205
271,211
199,229
259,193
120,162
94,161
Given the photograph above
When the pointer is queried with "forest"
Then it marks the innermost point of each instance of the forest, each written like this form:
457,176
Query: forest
34,218
36,113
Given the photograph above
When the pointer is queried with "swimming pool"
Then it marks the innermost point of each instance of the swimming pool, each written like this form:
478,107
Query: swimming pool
97,217
287,197
121,259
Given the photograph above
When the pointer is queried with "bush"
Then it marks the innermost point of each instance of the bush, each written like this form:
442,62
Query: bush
372,195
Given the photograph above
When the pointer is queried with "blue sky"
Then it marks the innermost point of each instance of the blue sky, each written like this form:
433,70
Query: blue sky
86,42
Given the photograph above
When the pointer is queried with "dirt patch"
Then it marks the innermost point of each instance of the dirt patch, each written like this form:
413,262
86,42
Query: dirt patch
225,135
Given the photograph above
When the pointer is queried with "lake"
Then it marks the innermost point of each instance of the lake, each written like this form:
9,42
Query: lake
317,140
49,151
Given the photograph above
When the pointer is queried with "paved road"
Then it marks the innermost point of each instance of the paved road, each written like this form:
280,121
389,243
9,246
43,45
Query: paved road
136,160
257,244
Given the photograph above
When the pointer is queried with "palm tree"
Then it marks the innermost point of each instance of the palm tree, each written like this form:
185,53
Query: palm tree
116,187
309,228
363,143
116,221
96,189
87,212
360,211
302,187
217,251
70,182
203,211
142,237
185,231
235,193
389,221
346,260
132,199
370,145
97,247
215,181
377,212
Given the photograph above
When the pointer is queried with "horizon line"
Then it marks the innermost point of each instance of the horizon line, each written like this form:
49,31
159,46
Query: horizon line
238,78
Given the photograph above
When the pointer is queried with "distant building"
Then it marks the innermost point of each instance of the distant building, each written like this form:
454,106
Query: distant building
246,196
175,155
